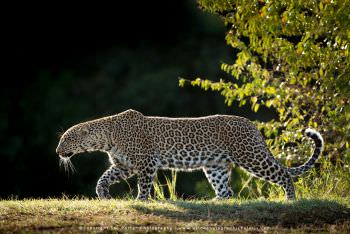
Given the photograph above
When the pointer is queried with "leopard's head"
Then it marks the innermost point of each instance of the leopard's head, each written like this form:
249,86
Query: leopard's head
75,140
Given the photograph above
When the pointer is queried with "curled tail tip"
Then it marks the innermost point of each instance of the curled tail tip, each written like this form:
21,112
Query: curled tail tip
316,136
310,131
319,143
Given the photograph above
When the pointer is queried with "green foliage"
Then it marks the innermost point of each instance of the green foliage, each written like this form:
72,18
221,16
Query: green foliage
204,189
334,181
158,187
158,190
171,183
294,57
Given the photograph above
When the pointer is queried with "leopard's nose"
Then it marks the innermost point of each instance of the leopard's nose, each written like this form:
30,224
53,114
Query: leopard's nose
59,149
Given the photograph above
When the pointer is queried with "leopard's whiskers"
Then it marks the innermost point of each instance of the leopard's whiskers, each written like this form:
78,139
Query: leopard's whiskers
67,164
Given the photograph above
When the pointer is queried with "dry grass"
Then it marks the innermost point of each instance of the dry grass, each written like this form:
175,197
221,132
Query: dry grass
94,216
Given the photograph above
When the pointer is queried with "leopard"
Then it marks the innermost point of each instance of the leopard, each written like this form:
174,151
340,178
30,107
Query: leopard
141,145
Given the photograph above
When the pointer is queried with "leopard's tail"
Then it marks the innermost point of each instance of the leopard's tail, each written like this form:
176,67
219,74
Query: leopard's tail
319,143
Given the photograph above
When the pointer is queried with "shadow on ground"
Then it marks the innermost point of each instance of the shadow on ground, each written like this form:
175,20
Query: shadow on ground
268,213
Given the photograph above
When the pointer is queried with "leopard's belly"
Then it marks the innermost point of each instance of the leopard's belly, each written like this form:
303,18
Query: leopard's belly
191,160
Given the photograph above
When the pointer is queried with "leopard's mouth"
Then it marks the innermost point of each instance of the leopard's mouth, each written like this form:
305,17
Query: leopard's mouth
67,155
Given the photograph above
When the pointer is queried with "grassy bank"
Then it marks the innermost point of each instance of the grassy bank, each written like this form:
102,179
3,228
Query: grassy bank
71,216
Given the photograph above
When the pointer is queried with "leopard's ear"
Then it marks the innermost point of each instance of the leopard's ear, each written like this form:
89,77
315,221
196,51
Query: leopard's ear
84,131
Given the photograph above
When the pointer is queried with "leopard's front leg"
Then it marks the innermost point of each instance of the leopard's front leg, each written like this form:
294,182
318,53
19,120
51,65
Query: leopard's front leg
112,175
145,179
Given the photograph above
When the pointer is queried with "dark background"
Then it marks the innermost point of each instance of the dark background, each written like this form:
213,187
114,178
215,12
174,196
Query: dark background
66,64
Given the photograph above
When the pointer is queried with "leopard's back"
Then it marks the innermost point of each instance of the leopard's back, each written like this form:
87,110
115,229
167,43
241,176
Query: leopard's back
189,143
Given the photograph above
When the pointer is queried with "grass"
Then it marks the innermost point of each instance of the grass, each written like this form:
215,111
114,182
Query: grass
248,213
245,216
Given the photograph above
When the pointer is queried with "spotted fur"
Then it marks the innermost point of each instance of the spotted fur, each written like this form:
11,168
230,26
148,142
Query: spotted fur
140,145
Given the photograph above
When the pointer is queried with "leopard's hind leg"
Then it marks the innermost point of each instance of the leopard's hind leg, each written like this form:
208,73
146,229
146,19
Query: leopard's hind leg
219,178
266,167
